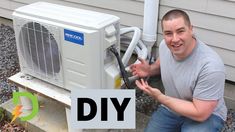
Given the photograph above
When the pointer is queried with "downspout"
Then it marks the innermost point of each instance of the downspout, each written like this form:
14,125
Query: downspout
150,23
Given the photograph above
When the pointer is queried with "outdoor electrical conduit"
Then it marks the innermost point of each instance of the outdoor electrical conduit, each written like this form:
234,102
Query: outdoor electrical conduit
140,49
149,36
150,23
132,44
149,31
136,37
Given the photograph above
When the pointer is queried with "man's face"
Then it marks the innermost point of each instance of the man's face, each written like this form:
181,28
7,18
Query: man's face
178,37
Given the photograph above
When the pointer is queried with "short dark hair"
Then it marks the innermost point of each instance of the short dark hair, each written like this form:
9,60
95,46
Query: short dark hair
176,13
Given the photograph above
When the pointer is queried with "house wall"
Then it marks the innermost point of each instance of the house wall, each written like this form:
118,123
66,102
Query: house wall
213,20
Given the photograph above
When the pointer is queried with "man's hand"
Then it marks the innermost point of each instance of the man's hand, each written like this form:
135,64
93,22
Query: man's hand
198,110
142,69
143,85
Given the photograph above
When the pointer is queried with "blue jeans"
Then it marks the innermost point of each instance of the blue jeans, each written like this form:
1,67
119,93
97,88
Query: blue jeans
164,120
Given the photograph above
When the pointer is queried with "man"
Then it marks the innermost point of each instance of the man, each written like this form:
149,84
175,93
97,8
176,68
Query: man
193,77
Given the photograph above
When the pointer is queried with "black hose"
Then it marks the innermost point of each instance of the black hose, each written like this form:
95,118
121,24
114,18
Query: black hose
122,68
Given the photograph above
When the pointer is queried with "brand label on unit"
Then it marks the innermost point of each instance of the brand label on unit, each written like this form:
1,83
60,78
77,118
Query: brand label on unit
75,37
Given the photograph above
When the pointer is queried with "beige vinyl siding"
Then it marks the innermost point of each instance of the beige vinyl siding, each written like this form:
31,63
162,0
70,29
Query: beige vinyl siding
213,20
129,11
217,7
5,8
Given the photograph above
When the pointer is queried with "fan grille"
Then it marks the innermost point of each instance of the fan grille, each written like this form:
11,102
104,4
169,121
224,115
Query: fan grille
40,49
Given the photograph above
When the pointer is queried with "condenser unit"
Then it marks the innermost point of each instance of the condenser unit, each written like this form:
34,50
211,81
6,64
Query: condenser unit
66,46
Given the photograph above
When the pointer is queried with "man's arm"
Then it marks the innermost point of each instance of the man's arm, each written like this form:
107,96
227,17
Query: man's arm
155,68
198,110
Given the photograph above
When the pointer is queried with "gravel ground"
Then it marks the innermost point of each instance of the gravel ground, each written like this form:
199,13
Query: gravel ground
144,103
8,61
230,123
9,65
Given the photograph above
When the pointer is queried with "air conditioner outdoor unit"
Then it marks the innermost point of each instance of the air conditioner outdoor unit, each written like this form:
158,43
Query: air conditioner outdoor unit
66,46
